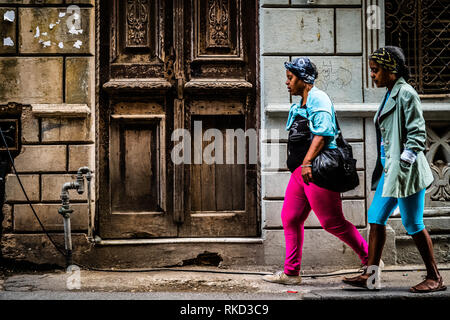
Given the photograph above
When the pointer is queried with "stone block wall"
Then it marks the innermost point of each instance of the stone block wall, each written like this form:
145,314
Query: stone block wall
335,35
290,29
47,67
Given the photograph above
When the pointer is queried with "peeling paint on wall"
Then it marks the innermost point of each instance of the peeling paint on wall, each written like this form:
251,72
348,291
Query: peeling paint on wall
8,42
75,31
38,33
78,44
9,16
44,33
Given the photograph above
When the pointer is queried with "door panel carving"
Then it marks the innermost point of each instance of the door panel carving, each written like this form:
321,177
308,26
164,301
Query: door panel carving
217,28
138,38
137,32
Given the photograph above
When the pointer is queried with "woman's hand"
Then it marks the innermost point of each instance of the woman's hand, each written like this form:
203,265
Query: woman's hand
317,145
307,174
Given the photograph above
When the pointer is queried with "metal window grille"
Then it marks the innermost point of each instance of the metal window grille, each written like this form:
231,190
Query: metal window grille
422,29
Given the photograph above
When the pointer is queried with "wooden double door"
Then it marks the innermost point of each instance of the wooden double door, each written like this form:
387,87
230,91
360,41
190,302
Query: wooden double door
175,76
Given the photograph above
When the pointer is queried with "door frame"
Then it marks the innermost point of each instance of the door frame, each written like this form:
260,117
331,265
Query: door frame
168,91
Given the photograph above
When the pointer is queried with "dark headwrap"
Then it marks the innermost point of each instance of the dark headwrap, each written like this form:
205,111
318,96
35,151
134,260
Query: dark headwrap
386,60
303,69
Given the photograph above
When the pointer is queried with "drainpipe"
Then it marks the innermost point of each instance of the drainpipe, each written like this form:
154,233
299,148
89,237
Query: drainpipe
65,210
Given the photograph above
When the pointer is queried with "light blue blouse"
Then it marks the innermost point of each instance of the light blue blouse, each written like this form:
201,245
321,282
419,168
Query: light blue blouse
320,113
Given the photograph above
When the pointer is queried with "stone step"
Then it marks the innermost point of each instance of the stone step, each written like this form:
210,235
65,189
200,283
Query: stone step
407,252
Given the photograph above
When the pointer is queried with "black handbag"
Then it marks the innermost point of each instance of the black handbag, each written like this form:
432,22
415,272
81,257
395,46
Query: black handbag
299,141
335,169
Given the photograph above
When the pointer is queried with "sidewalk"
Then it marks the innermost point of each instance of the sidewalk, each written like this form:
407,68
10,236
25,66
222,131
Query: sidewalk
206,283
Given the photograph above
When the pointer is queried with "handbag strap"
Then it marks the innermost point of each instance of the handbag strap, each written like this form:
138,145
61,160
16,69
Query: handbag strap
340,136
336,118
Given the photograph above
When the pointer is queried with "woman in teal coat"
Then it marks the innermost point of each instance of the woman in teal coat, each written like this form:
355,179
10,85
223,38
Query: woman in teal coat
402,172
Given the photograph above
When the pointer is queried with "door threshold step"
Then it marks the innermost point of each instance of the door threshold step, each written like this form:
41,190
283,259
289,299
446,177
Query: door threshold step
118,242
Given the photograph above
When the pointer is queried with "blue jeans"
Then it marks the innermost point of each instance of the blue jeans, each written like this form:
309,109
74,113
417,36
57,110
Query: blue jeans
411,208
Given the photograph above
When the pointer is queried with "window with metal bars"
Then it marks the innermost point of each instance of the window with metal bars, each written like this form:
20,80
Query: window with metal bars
422,29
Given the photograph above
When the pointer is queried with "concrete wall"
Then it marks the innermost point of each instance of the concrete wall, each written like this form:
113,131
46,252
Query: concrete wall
48,68
335,35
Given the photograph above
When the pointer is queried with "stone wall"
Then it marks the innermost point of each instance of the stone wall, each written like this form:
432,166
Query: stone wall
47,66
335,35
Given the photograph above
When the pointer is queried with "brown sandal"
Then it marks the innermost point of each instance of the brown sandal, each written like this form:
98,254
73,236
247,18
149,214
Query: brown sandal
357,281
425,286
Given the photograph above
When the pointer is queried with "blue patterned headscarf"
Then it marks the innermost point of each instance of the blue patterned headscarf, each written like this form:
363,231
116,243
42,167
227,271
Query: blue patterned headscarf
303,69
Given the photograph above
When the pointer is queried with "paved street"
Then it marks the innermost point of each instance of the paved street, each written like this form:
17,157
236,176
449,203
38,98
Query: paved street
206,283
210,293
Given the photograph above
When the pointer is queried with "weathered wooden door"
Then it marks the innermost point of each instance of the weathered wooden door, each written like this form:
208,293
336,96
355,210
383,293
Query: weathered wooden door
170,67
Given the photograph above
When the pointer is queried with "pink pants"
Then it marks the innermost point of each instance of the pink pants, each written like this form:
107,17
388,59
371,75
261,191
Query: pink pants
327,205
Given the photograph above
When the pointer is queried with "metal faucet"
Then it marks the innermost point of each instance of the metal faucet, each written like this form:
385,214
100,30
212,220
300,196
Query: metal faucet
65,210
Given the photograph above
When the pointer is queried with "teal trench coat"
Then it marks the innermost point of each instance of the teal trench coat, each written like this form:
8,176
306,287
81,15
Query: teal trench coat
402,125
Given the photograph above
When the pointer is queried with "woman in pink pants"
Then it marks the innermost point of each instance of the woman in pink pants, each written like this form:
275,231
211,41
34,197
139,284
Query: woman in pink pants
314,114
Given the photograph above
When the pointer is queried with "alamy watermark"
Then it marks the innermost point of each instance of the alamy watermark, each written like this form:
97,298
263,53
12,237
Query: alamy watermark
73,280
373,21
73,21
214,146
374,280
